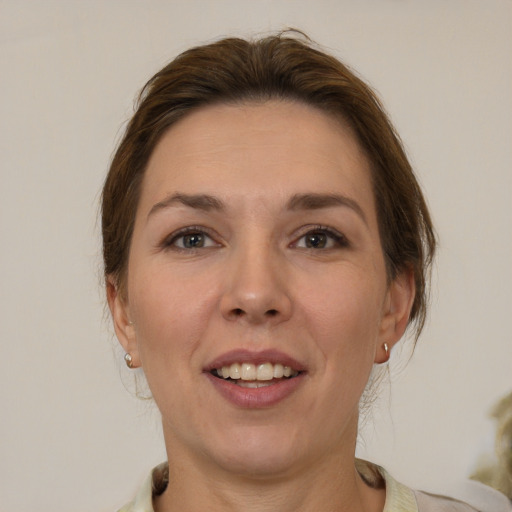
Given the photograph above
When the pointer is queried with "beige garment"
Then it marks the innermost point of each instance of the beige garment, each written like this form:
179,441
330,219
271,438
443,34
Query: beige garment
399,498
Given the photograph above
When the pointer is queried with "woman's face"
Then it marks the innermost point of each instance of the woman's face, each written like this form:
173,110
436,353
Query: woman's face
256,255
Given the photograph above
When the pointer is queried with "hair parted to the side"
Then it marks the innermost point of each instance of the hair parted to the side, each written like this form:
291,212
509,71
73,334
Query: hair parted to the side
285,66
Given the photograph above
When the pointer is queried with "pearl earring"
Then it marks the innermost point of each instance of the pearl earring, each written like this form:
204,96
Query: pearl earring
386,349
128,360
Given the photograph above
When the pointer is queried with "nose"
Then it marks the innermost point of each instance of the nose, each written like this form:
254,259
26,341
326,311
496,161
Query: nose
256,290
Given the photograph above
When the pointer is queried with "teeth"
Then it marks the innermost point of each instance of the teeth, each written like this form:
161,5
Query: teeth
248,371
252,384
265,372
278,371
234,371
256,374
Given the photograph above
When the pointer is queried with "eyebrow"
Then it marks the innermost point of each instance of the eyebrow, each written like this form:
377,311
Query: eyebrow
319,201
203,202
308,201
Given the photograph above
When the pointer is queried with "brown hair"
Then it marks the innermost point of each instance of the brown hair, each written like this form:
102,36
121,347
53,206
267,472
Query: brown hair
284,66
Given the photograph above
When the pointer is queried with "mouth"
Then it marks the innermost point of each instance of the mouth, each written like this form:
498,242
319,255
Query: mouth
249,375
256,380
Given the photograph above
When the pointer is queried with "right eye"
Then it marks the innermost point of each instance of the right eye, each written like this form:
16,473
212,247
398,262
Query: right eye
190,239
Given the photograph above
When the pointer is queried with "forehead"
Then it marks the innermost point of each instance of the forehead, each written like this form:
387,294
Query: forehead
269,149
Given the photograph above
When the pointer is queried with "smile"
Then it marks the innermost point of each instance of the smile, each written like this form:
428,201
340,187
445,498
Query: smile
250,375
256,380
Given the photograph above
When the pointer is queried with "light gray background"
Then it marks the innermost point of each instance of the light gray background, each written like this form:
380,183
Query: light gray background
71,436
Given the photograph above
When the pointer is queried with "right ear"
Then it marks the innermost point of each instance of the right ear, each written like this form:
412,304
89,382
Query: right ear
124,327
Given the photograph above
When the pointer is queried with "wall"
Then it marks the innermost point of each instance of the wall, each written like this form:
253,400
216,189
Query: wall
71,436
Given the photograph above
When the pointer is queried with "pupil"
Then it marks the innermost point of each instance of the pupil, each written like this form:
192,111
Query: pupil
193,240
316,240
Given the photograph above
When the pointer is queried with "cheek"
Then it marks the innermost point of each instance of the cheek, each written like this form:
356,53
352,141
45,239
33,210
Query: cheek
170,317
170,313
343,315
345,307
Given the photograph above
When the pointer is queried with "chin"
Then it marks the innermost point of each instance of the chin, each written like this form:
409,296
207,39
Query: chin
259,453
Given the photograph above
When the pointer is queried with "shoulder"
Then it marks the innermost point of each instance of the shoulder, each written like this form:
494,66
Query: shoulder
488,501
472,497
153,485
143,500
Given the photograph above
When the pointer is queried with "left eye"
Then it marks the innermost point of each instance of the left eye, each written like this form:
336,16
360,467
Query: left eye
320,239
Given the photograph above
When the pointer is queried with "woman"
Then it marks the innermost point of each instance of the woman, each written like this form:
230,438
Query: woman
266,244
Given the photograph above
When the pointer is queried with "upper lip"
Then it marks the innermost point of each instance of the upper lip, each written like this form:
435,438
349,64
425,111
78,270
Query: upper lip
259,357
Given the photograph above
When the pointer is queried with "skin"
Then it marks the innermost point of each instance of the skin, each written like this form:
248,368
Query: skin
255,284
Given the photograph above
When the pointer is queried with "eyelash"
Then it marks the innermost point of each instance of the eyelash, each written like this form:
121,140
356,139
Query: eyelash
170,242
340,240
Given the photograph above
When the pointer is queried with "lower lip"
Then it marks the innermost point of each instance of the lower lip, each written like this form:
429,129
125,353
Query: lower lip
256,398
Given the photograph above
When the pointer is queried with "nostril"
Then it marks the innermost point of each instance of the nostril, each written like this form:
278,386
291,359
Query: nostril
239,313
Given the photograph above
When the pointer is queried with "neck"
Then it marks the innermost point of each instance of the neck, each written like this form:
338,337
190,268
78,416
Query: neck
331,484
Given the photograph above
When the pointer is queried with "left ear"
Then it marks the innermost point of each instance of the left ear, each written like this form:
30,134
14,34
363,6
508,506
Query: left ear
397,308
